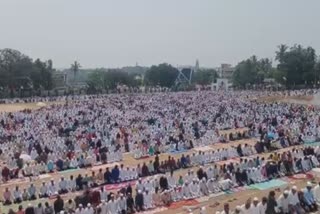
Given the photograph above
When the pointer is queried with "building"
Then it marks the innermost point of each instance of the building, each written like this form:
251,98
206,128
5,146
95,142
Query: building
226,71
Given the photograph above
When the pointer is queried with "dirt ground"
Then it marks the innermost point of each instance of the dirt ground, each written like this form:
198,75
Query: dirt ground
233,199
22,106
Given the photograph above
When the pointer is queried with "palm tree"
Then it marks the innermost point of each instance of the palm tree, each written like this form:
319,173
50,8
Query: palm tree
280,53
75,68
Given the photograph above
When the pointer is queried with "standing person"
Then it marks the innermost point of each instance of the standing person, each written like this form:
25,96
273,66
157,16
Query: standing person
58,204
271,203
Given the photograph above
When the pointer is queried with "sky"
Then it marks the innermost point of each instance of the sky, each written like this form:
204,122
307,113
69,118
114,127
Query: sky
116,33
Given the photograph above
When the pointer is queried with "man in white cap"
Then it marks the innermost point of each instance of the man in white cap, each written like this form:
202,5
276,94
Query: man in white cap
309,198
186,194
103,207
203,187
79,210
147,200
194,189
294,203
139,185
283,202
89,209
122,204
112,206
255,206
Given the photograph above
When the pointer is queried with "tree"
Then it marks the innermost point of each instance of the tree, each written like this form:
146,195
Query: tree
205,76
163,75
297,63
75,68
252,71
109,79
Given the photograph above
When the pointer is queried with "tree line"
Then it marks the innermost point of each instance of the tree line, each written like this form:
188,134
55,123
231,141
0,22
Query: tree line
297,66
18,71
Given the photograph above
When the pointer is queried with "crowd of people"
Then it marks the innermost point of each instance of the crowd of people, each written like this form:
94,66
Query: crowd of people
99,129
290,201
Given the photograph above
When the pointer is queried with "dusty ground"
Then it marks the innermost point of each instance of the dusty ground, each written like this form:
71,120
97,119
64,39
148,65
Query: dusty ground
22,106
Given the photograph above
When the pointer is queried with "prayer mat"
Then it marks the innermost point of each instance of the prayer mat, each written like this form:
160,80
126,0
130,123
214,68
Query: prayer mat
178,152
203,148
269,184
156,210
67,171
311,144
302,176
179,204
44,176
110,165
120,185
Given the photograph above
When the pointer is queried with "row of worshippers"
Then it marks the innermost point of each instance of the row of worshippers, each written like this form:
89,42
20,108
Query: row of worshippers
244,172
290,201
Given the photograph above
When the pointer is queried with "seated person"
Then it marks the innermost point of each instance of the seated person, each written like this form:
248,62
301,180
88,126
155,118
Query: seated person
7,197
32,192
17,196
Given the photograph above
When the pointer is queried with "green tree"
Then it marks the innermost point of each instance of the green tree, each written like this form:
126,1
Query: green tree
109,79
297,63
163,75
205,76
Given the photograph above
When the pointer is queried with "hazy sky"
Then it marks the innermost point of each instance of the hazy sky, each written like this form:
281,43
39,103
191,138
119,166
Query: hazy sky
104,33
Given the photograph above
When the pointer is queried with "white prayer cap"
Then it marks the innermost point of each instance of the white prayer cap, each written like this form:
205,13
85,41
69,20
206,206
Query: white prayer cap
203,208
255,199
286,192
29,205
139,191
309,184
238,208
294,188
80,205
61,212
89,205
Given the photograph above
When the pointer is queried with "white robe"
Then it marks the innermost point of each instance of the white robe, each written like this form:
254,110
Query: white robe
147,200
112,207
